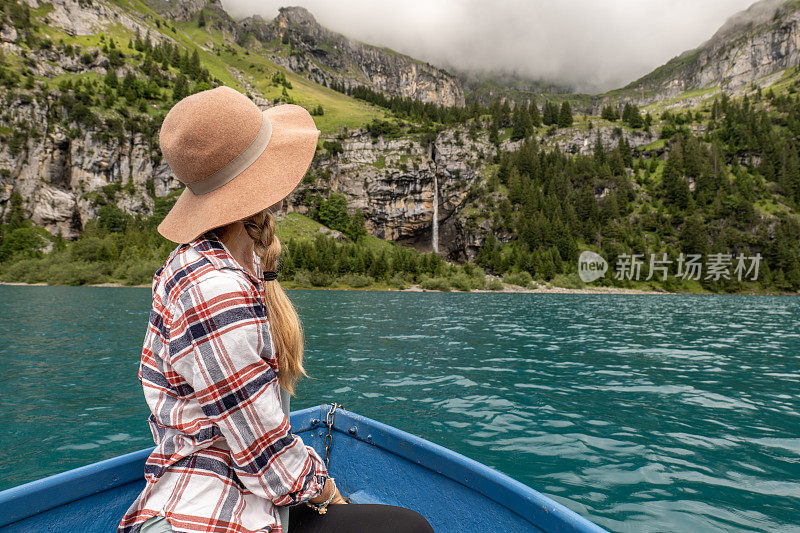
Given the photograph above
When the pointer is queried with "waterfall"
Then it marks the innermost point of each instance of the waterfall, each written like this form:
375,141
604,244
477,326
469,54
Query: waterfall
435,227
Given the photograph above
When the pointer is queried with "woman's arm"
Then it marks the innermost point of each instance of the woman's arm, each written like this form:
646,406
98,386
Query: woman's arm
323,497
219,341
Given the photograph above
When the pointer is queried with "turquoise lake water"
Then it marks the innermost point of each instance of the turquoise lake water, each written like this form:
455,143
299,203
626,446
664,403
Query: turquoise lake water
642,413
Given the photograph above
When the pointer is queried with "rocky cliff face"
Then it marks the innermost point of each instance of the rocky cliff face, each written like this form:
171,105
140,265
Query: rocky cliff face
392,182
65,171
186,10
758,42
328,58
64,177
579,140
297,42
75,18
61,178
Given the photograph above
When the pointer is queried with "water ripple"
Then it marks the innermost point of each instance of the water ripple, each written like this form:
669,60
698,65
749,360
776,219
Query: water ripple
651,413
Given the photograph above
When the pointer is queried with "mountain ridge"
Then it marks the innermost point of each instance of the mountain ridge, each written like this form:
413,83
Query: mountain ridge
296,41
760,41
518,188
332,59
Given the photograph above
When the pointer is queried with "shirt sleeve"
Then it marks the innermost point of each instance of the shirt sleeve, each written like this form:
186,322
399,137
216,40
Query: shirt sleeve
219,341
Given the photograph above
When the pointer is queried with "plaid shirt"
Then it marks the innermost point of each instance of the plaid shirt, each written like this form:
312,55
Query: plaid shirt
225,455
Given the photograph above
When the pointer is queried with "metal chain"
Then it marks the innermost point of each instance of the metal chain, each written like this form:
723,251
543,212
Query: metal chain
329,438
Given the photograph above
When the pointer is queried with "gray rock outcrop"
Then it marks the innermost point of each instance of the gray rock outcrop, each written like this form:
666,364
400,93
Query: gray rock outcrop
328,58
750,47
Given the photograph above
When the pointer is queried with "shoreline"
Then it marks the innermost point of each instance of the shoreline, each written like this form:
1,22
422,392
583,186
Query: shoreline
507,289
42,284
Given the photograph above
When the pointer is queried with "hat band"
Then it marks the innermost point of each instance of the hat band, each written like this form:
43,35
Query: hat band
238,165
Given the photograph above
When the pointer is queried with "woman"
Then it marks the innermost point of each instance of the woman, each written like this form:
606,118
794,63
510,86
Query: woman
224,348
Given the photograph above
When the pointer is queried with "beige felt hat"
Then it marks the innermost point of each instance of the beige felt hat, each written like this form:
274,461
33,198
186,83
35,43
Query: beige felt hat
234,159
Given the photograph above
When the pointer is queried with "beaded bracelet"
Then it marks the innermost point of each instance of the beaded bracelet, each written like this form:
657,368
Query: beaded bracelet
321,508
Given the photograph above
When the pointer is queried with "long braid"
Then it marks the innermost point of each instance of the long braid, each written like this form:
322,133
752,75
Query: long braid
285,326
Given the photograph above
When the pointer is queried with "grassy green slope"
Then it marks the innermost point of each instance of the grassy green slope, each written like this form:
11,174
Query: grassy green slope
303,228
340,109
223,59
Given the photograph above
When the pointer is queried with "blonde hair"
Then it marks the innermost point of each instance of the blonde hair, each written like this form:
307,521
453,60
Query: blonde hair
285,326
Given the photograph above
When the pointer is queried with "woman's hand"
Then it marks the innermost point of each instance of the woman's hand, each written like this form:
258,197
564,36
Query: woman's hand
338,498
326,493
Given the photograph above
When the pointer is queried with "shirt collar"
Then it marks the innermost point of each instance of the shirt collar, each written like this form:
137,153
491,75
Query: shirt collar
210,246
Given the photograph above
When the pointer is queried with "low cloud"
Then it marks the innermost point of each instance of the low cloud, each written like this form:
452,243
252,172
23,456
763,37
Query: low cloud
590,45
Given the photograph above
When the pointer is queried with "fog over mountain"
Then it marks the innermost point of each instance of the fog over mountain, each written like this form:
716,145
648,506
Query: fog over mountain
592,46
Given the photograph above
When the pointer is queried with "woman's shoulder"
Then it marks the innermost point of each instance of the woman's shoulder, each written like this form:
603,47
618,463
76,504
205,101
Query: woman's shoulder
188,273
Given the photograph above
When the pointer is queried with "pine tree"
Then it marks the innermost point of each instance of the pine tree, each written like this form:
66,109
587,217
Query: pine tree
565,115
16,217
138,45
505,114
181,88
609,113
175,58
631,115
379,267
533,111
494,133
624,148
599,151
129,86
626,112
676,187
515,186
789,179
110,78
194,65
616,162
522,127
694,236
495,110
546,268
549,113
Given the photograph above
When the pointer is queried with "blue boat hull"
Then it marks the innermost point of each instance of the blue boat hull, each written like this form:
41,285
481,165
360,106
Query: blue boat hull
372,463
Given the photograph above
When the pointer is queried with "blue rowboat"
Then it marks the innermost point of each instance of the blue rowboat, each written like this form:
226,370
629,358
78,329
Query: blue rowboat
372,463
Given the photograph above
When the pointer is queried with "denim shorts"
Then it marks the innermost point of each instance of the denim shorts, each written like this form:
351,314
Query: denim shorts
156,524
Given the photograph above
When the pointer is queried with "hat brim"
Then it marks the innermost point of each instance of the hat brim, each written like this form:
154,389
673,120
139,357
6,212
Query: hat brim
271,178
